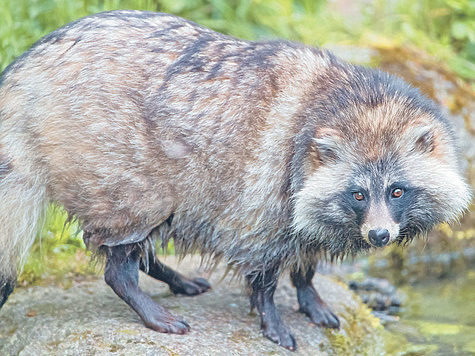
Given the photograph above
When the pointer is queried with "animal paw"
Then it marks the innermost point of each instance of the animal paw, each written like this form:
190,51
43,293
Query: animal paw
280,335
167,325
190,287
316,309
157,317
322,315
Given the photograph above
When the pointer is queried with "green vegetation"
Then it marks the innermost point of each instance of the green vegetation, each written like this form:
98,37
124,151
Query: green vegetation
443,28
59,254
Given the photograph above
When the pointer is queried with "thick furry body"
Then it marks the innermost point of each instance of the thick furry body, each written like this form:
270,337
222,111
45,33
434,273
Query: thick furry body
125,126
146,125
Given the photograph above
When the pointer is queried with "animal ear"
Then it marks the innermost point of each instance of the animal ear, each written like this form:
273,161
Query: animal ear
327,143
421,138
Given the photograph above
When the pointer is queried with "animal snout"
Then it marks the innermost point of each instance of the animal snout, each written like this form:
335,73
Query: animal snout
379,237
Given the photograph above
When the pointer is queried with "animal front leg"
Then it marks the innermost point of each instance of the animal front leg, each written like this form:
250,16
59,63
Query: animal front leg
263,287
178,283
310,301
122,275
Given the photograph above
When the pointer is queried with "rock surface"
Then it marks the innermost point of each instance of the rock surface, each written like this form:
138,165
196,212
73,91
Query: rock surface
89,319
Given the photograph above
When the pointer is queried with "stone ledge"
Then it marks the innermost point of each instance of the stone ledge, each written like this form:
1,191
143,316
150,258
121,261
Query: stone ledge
89,319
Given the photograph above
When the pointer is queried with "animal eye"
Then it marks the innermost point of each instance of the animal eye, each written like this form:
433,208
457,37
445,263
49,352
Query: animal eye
358,196
397,193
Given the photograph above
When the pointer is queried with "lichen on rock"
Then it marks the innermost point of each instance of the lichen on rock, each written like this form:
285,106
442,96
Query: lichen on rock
88,318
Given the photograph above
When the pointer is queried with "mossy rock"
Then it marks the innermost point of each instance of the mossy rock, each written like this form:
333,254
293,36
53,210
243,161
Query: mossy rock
88,318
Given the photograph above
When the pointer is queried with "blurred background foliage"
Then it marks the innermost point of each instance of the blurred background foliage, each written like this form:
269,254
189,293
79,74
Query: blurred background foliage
444,29
59,254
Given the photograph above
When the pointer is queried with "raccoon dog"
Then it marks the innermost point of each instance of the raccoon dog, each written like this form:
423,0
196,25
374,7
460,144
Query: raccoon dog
147,127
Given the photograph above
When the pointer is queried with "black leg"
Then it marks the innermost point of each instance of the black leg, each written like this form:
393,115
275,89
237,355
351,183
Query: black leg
310,301
6,288
178,283
122,275
263,288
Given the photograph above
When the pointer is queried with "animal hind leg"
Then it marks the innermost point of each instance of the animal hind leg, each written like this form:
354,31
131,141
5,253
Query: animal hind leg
23,203
6,288
310,301
178,283
122,275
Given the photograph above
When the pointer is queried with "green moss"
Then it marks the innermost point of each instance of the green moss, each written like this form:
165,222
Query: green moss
170,351
239,335
127,331
357,334
438,329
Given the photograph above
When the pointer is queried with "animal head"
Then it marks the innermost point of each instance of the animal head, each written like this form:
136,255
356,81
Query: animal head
379,169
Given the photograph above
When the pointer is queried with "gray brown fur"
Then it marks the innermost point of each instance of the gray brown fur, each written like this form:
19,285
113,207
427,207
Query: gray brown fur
128,119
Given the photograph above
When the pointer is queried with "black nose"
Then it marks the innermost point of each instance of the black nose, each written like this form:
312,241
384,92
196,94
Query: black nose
378,237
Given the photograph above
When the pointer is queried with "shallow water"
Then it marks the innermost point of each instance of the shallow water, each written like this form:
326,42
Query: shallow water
438,318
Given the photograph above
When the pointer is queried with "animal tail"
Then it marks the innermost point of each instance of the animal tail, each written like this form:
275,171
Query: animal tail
23,205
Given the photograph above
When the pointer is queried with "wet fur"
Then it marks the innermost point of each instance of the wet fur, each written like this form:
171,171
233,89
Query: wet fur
147,126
